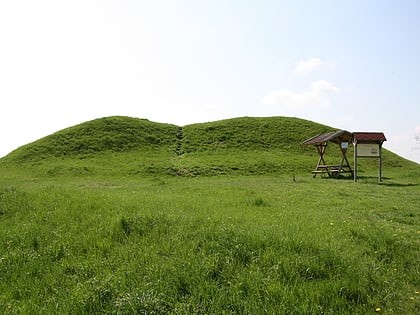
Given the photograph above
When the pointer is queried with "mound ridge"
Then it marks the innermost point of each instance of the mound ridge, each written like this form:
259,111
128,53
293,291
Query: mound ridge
109,134
251,133
123,134
127,146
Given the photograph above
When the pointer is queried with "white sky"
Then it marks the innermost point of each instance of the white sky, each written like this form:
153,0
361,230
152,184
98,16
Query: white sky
352,65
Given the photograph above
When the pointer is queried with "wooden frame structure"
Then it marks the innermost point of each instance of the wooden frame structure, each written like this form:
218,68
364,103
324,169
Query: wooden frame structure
368,145
342,138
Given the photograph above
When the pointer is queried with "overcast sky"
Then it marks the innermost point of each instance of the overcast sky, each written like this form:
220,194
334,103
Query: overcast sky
352,65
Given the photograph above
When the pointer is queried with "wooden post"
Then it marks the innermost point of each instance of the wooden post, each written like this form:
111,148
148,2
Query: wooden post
380,162
344,167
321,150
355,160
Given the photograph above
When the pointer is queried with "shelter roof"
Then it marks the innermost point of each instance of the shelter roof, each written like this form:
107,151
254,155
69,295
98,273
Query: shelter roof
334,136
369,137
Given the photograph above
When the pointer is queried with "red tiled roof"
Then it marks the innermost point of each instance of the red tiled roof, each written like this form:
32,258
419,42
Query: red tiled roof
369,136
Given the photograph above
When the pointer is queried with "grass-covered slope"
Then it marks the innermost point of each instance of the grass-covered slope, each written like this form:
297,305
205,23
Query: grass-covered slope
109,134
251,133
247,145
132,146
107,146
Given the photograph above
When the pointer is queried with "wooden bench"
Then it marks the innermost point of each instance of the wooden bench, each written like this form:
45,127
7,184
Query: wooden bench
331,170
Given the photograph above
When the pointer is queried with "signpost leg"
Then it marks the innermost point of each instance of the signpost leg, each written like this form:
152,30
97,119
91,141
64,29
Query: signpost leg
380,163
355,162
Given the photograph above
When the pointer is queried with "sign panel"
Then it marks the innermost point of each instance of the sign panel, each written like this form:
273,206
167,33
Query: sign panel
368,150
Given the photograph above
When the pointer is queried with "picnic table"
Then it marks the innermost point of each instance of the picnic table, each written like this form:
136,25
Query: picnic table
331,170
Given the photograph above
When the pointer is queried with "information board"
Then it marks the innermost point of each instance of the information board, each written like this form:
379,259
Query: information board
368,150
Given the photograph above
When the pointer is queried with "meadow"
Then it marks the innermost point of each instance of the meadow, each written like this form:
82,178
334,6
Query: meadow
181,229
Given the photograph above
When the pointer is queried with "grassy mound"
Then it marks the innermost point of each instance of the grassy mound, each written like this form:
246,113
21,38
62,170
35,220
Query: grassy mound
109,134
251,133
132,146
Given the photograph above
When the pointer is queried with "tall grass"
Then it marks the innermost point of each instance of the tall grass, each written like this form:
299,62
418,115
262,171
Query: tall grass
216,218
242,245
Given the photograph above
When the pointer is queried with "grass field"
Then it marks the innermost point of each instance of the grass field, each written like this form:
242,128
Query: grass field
204,227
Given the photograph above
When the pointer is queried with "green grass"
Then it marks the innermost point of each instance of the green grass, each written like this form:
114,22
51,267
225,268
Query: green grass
130,146
216,230
109,134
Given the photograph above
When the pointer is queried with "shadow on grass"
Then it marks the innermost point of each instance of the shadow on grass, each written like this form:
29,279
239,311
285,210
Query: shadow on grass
398,184
372,180
386,181
341,177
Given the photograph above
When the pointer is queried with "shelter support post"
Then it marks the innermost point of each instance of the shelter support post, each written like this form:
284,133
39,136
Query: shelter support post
380,163
344,164
355,161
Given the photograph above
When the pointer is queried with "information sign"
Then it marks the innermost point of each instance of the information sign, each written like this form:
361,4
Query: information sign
368,150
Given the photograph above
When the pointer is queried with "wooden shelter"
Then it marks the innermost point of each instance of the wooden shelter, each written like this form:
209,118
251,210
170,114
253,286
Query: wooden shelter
342,138
368,145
